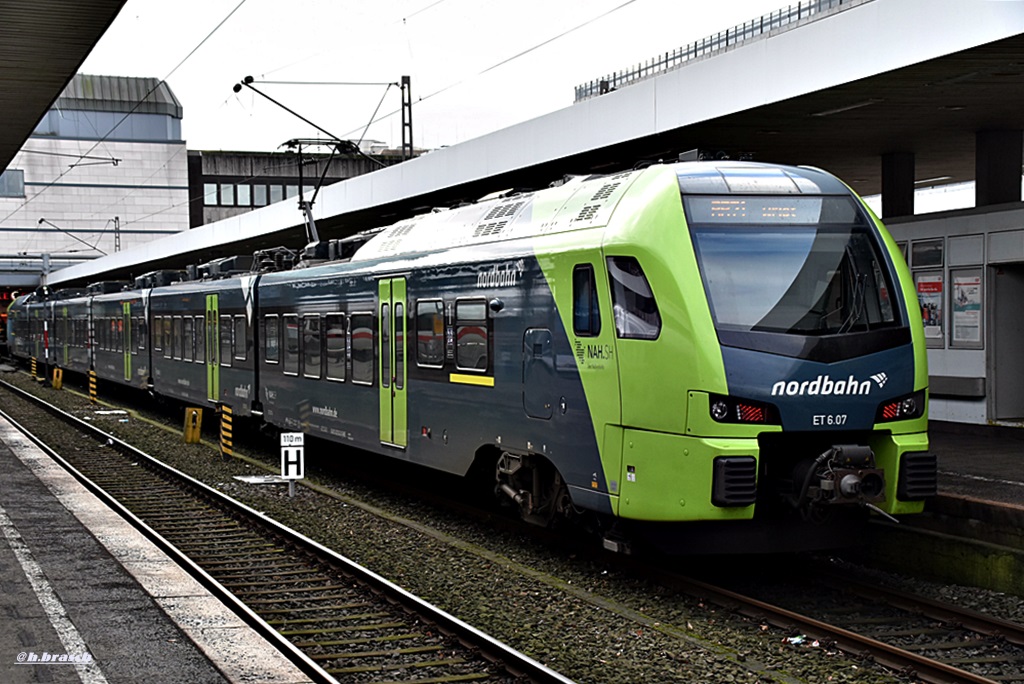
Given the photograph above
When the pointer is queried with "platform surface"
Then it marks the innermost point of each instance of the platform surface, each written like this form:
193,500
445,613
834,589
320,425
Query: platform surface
980,462
78,583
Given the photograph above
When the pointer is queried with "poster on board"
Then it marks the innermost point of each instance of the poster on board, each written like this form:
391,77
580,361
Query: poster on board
966,308
929,297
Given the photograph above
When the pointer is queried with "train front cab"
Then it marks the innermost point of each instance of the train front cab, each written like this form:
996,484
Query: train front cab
788,380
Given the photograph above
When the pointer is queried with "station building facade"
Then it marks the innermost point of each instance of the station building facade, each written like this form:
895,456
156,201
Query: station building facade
104,170
968,268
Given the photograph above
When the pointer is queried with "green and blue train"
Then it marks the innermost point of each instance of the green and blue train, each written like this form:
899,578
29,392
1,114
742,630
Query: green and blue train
705,355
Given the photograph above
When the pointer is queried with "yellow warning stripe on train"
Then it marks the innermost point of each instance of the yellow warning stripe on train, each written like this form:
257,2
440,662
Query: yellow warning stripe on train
482,380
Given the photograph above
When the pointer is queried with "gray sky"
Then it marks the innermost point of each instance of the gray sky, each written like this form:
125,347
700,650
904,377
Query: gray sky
450,48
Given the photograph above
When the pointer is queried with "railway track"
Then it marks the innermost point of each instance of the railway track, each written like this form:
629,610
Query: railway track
920,639
336,619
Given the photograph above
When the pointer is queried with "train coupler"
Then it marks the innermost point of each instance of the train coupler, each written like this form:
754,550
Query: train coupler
844,474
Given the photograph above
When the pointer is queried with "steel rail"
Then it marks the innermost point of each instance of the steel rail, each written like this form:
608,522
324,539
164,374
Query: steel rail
518,665
898,659
968,619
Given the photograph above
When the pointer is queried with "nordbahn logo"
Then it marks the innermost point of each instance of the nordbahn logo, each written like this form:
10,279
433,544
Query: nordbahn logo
823,385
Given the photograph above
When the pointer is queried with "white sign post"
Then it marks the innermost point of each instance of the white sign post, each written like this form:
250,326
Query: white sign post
293,459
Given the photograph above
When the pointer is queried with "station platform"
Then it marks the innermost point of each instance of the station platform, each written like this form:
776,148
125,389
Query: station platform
85,597
979,461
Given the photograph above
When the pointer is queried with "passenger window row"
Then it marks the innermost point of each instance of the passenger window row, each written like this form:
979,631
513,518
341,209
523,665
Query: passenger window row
342,347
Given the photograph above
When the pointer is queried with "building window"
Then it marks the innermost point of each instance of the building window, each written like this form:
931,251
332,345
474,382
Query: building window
276,193
12,183
210,194
259,195
291,191
227,194
243,195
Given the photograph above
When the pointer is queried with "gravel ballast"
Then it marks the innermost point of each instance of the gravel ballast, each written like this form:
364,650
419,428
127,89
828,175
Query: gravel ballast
577,616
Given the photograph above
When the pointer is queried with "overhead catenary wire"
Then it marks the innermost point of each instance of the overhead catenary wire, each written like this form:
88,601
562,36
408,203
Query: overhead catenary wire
374,118
507,60
130,112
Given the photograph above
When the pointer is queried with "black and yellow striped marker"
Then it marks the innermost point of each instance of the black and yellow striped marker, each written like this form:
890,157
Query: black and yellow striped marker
226,434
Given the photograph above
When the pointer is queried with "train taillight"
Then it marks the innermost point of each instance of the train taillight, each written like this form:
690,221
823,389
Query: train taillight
902,408
725,409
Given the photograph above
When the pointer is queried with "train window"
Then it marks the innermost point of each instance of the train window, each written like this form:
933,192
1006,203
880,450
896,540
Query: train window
188,338
158,326
399,345
200,328
176,335
636,312
362,348
271,339
385,345
143,333
334,340
586,315
167,337
311,346
226,342
241,339
471,334
430,333
291,344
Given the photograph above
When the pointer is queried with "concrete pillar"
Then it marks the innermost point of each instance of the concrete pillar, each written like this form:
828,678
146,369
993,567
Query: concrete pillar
897,184
997,164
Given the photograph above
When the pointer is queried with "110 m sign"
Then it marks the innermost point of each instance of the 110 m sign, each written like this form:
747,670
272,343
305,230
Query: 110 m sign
293,466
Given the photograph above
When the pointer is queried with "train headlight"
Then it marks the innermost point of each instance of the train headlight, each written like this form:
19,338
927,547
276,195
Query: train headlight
719,410
901,408
735,410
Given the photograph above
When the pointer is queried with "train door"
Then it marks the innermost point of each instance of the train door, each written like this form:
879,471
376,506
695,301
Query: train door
538,373
391,333
212,348
126,339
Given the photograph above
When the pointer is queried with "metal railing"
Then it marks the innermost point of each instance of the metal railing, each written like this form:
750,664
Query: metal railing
712,44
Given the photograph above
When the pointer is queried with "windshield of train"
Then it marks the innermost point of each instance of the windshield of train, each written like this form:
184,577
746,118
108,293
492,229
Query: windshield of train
793,265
